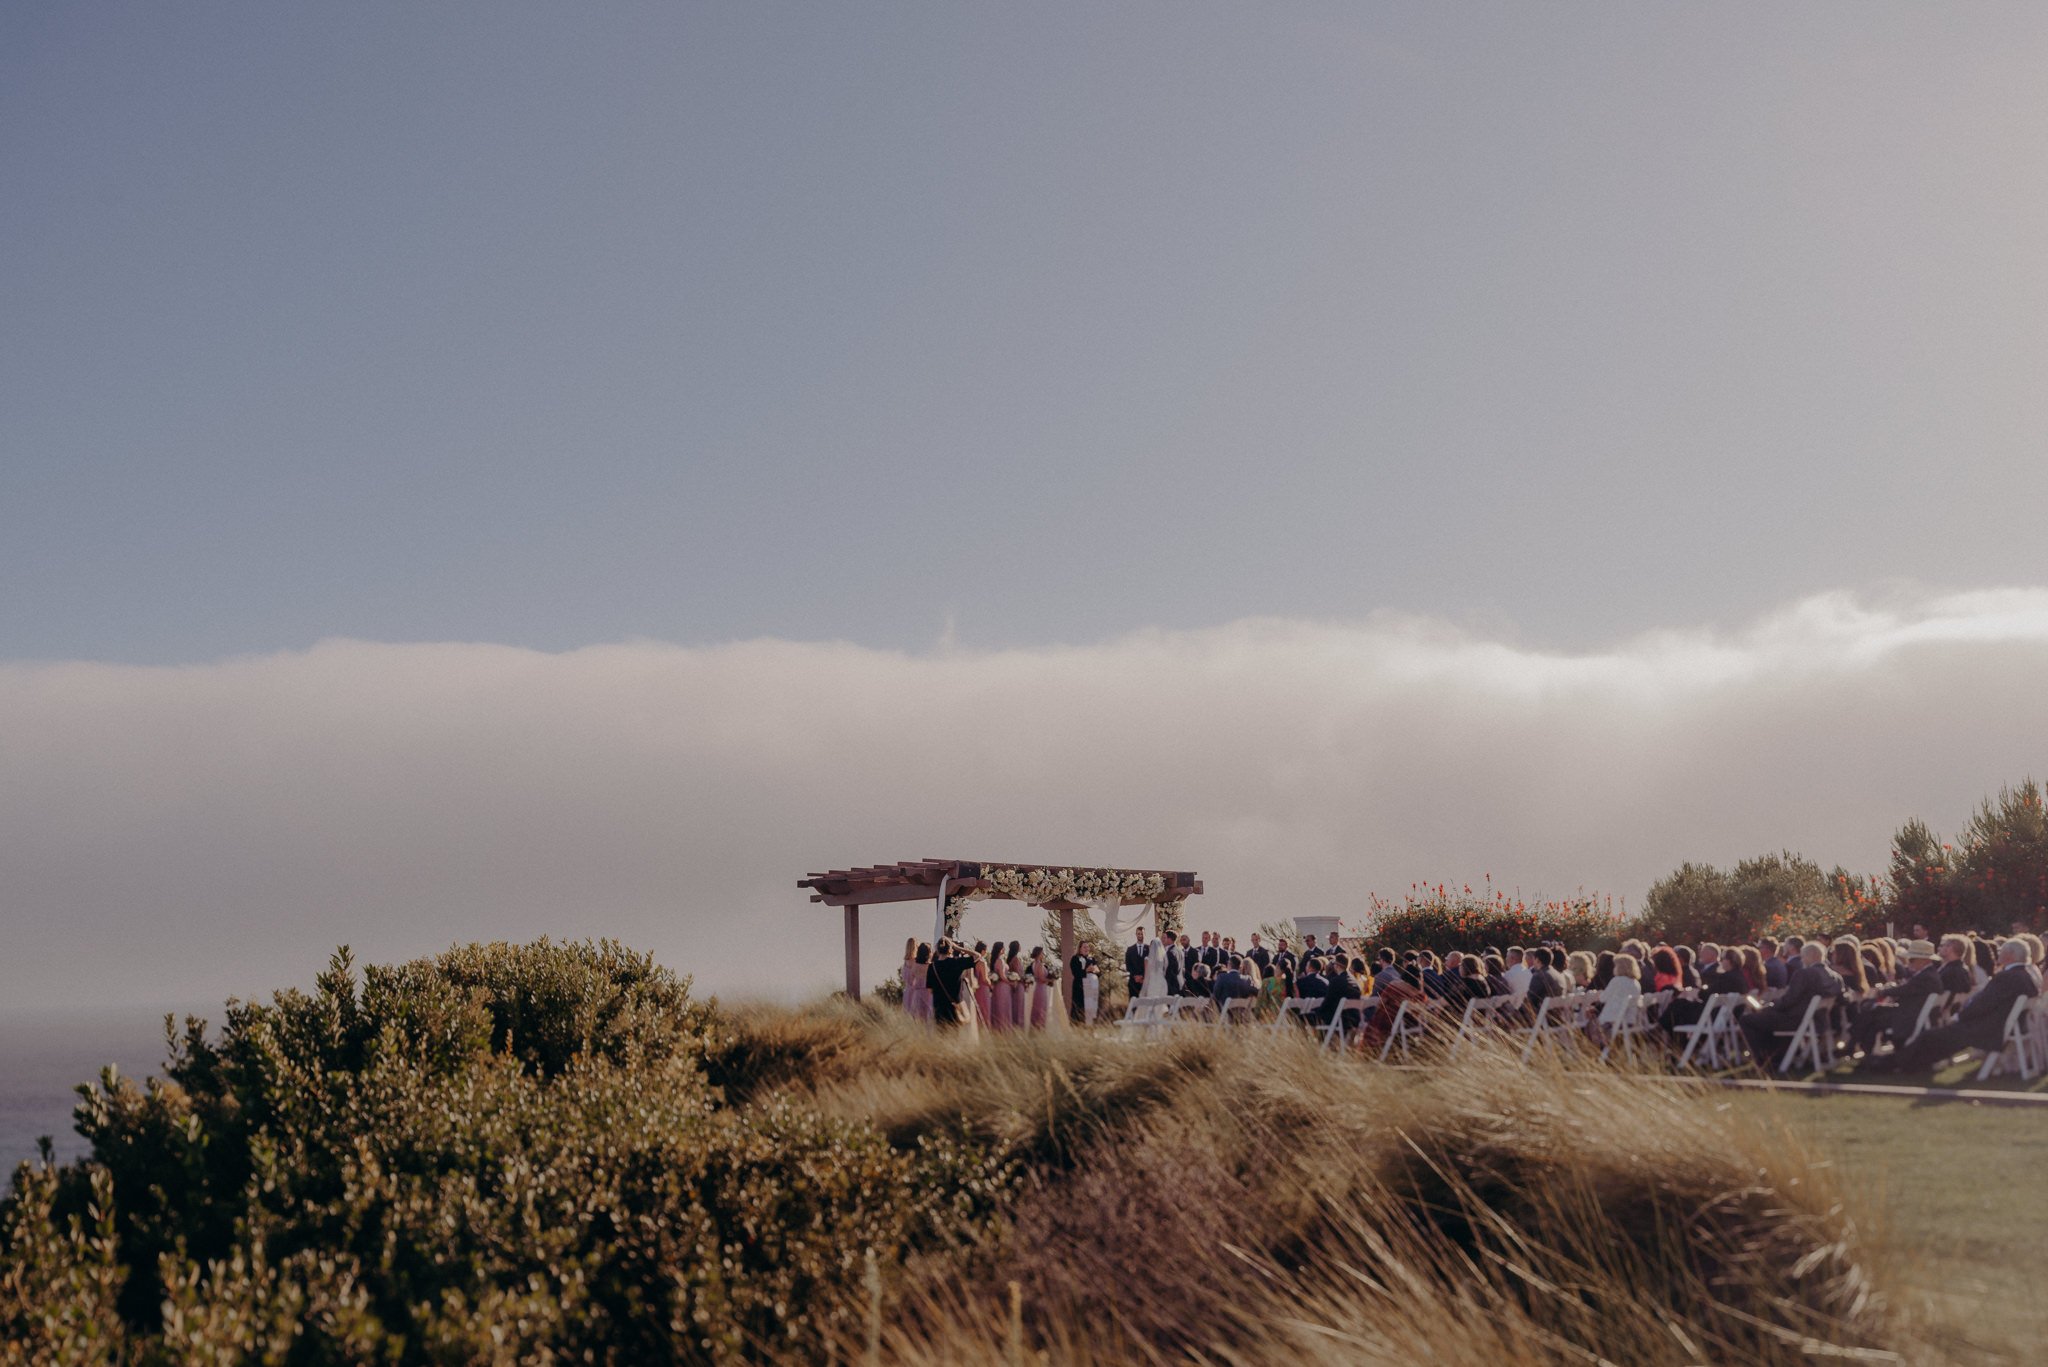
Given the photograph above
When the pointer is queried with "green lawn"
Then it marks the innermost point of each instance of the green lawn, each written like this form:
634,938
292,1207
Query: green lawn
1960,1190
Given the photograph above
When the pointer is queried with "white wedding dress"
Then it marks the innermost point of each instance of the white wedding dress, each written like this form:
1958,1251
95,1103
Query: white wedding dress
1155,971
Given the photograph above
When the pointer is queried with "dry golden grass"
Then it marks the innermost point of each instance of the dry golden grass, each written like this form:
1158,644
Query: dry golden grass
1239,1198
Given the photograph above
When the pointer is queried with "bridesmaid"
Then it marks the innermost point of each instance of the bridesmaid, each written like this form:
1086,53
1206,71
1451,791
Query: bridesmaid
1041,988
910,975
989,998
1020,988
919,994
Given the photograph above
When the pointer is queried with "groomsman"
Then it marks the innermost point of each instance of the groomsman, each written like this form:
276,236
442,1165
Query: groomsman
1176,963
1212,952
1260,955
1078,968
1283,959
1134,963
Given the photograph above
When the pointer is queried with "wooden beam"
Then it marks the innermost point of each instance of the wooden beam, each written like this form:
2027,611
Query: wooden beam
853,952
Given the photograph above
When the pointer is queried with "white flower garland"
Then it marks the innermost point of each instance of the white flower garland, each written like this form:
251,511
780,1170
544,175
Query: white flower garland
1039,886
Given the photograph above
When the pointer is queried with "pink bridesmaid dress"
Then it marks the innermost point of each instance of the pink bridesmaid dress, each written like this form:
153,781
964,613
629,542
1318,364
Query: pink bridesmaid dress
999,998
1020,995
981,996
1041,994
913,988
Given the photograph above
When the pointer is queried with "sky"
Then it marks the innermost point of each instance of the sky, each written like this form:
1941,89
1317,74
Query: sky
490,471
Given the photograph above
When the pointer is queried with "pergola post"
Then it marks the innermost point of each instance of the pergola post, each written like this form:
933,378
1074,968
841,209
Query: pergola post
853,951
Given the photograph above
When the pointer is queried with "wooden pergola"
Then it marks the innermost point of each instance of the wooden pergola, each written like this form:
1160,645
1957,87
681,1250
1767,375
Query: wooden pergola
939,880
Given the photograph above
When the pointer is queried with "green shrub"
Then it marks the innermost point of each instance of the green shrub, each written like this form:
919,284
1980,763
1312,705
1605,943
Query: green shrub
1996,879
1773,894
507,1152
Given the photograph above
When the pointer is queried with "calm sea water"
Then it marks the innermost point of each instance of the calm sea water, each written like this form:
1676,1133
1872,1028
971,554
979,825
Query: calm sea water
45,1054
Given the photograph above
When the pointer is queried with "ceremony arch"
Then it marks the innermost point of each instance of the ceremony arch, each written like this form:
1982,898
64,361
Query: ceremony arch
951,885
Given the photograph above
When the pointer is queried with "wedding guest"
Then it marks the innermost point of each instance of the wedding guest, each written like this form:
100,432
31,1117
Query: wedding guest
1813,979
1954,954
983,987
1233,983
1622,988
1664,970
950,984
917,995
1343,987
1283,957
1496,976
1020,987
1517,971
1894,1008
1981,1022
1986,961
1545,982
1755,978
1134,964
1603,972
1176,963
1200,984
998,1018
1578,969
1312,984
1041,987
1379,1020
1387,972
1090,988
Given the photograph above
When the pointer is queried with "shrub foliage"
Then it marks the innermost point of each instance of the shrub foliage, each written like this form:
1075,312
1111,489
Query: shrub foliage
1444,918
503,1153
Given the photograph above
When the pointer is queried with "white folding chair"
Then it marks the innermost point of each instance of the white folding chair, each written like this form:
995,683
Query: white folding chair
1407,1026
1336,1029
1295,1011
1633,1025
1479,1013
1147,1016
2015,1051
1931,1011
1813,1039
1238,1007
1553,1019
1706,1035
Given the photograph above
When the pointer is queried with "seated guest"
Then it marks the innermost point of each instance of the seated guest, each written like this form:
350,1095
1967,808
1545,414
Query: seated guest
1752,961
1985,961
1603,971
1688,967
1517,971
1496,976
1386,972
1381,1019
1774,967
1813,979
1578,969
1622,988
1199,982
1545,982
1954,954
1981,1022
1719,972
1343,987
1664,970
1312,983
1895,1008
1472,983
1232,982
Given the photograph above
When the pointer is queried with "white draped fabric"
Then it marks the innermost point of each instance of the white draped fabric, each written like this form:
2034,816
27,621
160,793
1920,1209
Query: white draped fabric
1155,971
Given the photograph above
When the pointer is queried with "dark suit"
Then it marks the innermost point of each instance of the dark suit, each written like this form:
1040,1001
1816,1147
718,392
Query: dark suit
1544,983
1893,1010
1175,970
944,977
1956,978
1077,969
1212,955
1261,956
1979,1025
1342,988
1761,1027
1311,985
1134,965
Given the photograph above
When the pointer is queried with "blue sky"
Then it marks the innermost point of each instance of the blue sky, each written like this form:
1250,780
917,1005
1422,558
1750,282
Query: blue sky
545,326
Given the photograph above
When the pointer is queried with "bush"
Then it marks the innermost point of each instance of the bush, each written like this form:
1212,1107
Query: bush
1773,894
1997,879
506,1152
1444,918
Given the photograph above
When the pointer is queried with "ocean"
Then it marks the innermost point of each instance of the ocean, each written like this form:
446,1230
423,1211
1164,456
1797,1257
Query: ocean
44,1055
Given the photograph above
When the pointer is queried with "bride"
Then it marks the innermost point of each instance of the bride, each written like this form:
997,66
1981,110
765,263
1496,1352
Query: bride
1155,970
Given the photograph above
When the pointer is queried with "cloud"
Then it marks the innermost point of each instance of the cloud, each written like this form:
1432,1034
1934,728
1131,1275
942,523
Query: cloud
180,834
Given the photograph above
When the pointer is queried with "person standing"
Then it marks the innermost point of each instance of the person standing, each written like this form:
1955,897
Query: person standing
1081,966
947,979
1134,964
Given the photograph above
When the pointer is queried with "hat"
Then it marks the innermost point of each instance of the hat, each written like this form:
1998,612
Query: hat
1917,949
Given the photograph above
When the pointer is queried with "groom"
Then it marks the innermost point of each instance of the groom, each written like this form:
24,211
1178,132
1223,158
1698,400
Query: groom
1134,964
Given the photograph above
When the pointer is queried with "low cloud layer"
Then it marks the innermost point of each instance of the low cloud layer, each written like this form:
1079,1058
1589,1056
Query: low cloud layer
182,834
